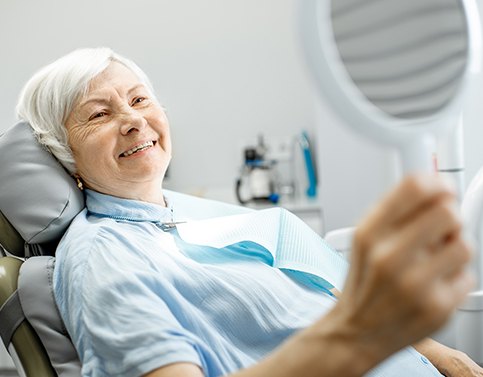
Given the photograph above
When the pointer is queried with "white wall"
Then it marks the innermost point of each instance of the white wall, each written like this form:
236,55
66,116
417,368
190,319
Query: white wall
353,171
226,70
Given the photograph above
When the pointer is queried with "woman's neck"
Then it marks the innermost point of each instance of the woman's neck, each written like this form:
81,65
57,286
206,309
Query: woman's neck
152,193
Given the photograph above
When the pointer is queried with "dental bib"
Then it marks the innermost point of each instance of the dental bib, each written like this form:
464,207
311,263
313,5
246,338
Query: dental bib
285,241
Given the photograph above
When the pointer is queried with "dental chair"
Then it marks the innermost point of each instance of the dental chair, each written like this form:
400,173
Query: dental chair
37,203
38,200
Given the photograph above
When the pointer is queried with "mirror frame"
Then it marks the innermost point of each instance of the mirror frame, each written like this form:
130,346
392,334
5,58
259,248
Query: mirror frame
336,86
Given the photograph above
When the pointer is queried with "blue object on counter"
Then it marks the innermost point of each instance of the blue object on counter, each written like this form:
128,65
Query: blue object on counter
274,198
309,165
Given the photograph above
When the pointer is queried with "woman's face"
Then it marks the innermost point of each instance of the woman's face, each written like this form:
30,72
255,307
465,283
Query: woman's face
119,135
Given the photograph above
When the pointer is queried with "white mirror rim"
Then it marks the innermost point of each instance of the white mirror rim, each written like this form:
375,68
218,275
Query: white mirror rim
333,80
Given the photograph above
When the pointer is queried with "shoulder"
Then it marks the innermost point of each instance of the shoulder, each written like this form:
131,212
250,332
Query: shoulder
85,226
100,245
89,259
87,249
90,233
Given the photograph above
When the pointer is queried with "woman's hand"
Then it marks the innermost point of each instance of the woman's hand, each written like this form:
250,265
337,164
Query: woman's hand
408,269
458,364
450,362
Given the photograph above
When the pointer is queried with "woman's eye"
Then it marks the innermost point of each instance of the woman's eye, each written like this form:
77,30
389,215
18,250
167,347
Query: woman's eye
138,100
98,115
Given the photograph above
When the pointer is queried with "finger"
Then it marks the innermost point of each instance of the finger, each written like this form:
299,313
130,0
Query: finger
412,194
433,269
416,239
450,258
453,290
381,229
434,300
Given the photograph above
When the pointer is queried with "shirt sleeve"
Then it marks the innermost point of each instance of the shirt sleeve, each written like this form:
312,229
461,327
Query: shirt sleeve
120,313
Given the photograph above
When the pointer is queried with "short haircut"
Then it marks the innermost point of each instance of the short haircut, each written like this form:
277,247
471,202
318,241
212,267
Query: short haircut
48,98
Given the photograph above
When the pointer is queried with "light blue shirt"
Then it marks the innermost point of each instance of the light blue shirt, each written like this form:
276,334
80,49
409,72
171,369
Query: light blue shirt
135,298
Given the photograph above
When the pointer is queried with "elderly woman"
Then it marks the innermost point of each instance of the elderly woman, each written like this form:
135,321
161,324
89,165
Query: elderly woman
138,301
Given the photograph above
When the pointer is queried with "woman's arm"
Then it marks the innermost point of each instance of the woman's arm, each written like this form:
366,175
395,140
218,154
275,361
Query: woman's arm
450,362
177,370
407,275
317,354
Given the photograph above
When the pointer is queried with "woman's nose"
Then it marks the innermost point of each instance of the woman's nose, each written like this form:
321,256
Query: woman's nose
132,121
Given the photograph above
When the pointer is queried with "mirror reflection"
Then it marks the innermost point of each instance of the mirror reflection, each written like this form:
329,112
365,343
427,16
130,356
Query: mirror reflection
406,57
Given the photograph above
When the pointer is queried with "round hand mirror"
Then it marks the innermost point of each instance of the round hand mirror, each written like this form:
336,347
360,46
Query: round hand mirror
394,70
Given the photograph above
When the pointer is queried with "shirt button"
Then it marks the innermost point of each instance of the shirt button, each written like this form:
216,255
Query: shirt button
424,360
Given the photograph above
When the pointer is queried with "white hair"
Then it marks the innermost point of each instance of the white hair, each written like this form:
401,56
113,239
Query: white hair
48,98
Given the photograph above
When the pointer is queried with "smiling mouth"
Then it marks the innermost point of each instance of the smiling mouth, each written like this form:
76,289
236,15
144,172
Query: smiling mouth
138,148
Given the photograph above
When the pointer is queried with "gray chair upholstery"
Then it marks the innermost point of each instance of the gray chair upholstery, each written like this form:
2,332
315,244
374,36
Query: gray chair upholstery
33,177
18,335
38,200
35,280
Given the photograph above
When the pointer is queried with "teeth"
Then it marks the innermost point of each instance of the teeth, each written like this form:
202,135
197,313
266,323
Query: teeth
146,145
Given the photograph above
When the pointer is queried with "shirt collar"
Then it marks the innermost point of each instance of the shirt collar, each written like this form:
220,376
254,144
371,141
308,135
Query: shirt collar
103,205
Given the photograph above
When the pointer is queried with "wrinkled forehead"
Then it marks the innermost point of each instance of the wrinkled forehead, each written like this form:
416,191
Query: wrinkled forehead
115,76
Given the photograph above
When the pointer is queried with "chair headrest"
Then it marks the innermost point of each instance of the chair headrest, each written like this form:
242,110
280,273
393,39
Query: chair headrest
37,196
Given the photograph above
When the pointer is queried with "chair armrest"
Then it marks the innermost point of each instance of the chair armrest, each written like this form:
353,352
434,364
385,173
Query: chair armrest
341,240
25,348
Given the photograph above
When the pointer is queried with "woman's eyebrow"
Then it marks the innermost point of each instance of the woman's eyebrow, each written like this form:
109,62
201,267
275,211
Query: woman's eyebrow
93,100
136,87
102,100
